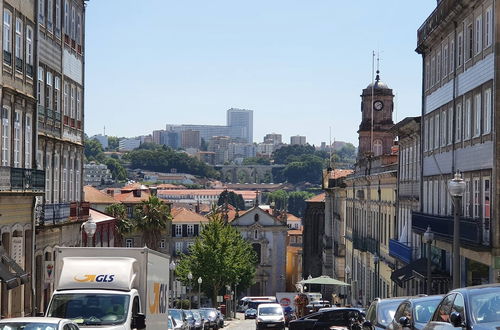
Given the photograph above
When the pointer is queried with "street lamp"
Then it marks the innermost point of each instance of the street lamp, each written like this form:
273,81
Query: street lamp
428,238
199,291
89,227
172,272
376,260
190,277
456,187
348,280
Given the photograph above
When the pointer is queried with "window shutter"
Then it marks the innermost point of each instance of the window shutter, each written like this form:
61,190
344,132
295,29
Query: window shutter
196,230
184,230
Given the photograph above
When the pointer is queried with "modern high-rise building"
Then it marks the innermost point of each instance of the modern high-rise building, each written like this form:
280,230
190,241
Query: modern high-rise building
298,139
241,118
273,138
190,139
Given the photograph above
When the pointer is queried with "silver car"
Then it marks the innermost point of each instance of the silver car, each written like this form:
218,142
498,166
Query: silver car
40,323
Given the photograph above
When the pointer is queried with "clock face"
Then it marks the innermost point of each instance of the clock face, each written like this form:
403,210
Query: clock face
378,105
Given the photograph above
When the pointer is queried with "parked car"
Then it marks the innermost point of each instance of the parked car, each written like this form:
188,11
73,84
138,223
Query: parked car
199,321
250,313
327,318
39,323
180,319
171,323
381,312
414,313
220,319
270,315
190,319
211,318
474,307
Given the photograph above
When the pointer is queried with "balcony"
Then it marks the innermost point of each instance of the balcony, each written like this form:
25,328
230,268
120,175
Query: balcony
41,111
372,245
471,231
7,57
21,179
19,64
61,213
358,242
400,251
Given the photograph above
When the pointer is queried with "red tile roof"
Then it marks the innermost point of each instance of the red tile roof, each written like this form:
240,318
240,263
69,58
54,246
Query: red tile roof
95,196
339,173
182,215
317,198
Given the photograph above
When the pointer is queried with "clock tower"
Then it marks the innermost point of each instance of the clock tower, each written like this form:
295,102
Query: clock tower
377,99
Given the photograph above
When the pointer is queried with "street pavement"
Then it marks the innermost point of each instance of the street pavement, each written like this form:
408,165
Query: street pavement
240,323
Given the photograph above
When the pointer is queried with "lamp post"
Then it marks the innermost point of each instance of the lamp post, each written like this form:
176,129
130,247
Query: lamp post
199,291
172,272
190,277
235,294
90,227
456,187
376,260
348,278
428,238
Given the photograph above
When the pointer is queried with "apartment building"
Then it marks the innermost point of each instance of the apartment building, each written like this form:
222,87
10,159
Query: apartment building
457,43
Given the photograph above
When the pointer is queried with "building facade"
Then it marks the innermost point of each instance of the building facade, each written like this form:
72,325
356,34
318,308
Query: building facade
186,227
460,114
96,174
313,225
241,118
298,140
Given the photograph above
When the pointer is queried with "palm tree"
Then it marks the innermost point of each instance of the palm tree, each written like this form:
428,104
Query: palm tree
123,226
152,220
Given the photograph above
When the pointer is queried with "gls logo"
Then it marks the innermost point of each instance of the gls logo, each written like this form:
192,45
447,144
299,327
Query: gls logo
102,278
160,296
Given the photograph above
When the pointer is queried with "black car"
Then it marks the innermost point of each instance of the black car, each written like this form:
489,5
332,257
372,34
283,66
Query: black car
381,312
474,307
414,313
211,318
250,313
340,317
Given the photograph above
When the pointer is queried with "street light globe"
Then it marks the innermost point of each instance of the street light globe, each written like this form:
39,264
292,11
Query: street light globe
200,280
376,259
305,287
172,265
456,186
347,270
90,227
428,235
190,276
309,277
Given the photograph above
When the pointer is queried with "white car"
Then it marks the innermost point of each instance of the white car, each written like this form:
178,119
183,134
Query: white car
38,323
270,315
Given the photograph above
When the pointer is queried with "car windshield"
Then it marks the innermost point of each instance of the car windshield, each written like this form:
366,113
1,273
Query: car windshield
425,309
268,311
386,311
196,315
27,326
90,308
485,305
176,315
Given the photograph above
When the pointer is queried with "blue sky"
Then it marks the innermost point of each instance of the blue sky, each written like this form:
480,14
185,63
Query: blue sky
300,65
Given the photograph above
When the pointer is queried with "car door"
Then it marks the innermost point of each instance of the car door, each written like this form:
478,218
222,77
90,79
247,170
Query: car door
441,318
307,323
329,318
394,325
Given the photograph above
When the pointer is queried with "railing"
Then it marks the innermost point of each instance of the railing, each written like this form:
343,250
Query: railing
358,242
400,250
7,57
21,179
19,64
442,226
60,213
29,70
372,245
41,111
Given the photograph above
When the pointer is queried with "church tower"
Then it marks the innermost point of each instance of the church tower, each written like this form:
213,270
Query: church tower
379,98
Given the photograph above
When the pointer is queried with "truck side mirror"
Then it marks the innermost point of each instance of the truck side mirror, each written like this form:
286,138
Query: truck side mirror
138,321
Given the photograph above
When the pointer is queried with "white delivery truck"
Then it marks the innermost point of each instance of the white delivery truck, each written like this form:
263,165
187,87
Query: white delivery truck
111,288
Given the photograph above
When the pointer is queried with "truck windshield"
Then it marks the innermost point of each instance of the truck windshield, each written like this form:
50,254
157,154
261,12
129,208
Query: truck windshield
90,308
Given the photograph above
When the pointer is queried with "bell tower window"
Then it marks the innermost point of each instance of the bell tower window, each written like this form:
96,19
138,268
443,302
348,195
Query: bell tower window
377,147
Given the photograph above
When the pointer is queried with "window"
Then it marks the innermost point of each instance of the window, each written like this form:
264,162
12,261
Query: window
476,202
48,90
57,96
77,179
459,307
427,75
487,112
442,198
479,34
79,29
71,179
178,247
72,105
17,139
431,133
467,119
162,244
64,184
58,18
445,61
48,177
488,26
452,56
444,309
41,11
78,104
486,208
7,38
469,45
189,245
66,17
40,86
460,40
29,51
27,142
377,147
438,67
129,242
66,99
426,134
5,137
450,125
443,129
458,123
426,195
435,196
55,198
255,234
190,230
19,41
178,230
49,15
433,71
466,199
73,23
477,114
436,131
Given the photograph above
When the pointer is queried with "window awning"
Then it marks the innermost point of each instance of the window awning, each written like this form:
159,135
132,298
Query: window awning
10,272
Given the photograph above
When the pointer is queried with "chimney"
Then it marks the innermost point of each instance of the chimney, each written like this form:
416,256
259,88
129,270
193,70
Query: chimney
110,192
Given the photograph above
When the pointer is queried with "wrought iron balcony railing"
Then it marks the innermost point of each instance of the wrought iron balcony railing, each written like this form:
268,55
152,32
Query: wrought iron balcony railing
21,179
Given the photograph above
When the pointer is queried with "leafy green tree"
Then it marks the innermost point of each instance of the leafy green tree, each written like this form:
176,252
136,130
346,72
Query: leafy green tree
203,145
256,161
113,143
279,198
117,170
123,225
152,220
297,202
220,256
291,153
234,199
307,169
92,149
